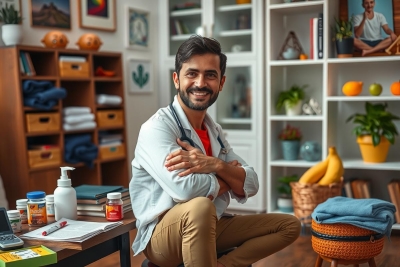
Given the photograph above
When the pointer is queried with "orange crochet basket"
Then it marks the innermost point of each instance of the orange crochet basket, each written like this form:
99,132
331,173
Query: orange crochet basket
306,197
345,241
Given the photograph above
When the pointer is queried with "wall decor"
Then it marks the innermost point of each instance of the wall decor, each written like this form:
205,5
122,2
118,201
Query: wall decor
60,11
137,35
99,14
15,3
140,76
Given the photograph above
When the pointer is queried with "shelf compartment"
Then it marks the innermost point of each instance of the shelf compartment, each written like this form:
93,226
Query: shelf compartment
112,169
44,62
111,62
79,93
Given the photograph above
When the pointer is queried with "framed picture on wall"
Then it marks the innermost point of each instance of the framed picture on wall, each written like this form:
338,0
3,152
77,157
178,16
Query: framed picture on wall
140,76
60,11
15,3
98,15
137,35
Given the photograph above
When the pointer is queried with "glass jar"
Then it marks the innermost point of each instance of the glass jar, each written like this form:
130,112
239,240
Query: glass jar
50,205
37,215
23,209
15,220
114,207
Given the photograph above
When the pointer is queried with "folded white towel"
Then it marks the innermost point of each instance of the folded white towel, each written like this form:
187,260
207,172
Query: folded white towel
110,137
76,110
108,99
80,126
116,143
74,119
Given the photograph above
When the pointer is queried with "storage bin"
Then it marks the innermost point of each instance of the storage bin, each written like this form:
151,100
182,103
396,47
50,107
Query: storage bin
42,122
114,151
74,69
44,157
110,118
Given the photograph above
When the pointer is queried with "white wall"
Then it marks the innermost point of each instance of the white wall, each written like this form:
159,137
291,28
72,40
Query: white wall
139,107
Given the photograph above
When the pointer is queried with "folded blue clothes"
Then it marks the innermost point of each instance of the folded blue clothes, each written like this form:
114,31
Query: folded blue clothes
45,99
30,87
370,213
79,148
32,102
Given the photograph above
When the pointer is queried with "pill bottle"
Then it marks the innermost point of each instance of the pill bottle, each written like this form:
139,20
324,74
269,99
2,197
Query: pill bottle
37,215
114,209
50,205
23,209
15,220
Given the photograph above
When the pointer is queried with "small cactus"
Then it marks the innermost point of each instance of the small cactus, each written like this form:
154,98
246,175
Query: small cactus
141,78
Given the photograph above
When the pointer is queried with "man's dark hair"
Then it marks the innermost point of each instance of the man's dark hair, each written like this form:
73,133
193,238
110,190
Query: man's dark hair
198,45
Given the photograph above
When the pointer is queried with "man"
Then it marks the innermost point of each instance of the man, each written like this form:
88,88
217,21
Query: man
180,191
367,30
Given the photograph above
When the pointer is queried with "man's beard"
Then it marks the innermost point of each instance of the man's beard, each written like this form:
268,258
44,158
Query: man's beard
185,98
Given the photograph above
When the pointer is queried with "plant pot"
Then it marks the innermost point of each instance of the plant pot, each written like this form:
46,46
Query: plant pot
285,204
290,149
11,34
371,153
345,47
294,110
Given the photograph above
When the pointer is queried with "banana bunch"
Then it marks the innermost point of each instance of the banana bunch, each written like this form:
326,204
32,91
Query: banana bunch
325,172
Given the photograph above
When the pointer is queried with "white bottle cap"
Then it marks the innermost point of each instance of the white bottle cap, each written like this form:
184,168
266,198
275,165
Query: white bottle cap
64,179
50,198
21,202
116,195
13,213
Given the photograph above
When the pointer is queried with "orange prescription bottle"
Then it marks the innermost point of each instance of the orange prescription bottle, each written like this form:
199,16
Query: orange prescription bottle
114,208
37,215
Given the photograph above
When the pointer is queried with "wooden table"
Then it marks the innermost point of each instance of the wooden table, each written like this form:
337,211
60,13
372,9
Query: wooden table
92,249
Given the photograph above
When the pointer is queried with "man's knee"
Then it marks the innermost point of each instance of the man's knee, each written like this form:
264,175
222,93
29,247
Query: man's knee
293,226
200,209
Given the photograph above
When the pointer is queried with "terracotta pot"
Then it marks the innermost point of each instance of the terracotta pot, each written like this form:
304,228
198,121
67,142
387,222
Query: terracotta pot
371,153
239,2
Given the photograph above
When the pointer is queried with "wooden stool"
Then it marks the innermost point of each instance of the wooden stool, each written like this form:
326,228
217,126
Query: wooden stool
335,262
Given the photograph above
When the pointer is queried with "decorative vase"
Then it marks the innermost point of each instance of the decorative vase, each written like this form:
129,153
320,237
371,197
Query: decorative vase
311,151
290,149
371,153
11,34
345,47
285,204
294,110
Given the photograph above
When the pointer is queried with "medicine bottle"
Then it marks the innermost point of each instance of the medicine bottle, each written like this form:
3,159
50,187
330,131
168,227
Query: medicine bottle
114,209
15,220
23,209
50,205
37,215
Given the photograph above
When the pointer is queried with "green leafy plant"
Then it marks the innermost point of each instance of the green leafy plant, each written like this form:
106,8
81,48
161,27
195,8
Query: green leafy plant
284,184
290,97
290,133
9,15
343,29
376,122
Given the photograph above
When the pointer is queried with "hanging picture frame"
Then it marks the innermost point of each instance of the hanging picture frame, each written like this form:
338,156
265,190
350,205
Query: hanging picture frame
15,3
98,15
137,28
140,76
60,8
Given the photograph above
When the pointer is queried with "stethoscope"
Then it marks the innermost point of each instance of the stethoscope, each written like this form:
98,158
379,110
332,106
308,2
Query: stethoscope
185,138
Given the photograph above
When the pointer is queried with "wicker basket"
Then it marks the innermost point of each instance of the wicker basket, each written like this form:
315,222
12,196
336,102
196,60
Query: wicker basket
307,196
345,241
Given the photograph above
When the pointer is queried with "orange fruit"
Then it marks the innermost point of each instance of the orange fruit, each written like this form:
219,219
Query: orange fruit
303,56
395,88
352,88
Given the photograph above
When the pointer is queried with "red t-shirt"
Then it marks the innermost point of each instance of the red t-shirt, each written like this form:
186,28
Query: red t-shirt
205,139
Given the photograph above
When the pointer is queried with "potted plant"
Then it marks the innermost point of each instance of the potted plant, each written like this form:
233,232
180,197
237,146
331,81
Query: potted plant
343,36
285,202
292,100
11,30
375,131
290,139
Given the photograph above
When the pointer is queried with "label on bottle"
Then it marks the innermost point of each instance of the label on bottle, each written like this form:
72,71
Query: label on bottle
37,214
50,209
16,224
23,214
114,212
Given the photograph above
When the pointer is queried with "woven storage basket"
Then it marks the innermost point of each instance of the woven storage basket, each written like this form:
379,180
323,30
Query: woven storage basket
324,243
307,196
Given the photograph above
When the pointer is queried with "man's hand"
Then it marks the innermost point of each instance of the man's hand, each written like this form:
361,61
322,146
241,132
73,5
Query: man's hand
393,36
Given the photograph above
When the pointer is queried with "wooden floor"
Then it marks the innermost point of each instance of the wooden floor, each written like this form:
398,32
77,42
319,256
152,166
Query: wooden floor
299,254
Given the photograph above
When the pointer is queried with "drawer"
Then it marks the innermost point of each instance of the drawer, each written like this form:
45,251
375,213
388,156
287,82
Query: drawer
109,118
74,69
109,152
42,122
45,157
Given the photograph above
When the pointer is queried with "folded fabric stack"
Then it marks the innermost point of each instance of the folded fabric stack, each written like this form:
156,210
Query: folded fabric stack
79,148
78,118
370,213
42,94
109,139
103,99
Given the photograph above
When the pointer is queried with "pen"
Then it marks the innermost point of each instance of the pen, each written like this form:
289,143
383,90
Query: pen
54,228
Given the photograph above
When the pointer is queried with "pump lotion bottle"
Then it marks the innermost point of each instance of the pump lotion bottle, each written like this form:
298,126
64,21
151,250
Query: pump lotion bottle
65,197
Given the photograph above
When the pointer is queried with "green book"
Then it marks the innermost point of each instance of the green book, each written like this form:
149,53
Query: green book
30,256
86,191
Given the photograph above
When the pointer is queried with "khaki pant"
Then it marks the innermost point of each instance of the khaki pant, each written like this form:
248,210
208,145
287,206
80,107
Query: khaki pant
190,233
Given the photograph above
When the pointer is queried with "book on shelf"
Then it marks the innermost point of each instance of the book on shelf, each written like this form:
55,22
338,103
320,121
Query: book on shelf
27,65
347,189
320,36
316,37
361,188
124,193
101,206
86,191
394,193
126,207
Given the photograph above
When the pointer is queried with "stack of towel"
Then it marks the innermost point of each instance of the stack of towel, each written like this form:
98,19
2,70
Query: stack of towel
79,148
78,118
370,213
103,99
110,139
41,94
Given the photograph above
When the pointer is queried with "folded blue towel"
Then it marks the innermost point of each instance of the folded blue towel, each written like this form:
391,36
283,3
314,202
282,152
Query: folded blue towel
79,148
370,213
45,99
32,102
30,87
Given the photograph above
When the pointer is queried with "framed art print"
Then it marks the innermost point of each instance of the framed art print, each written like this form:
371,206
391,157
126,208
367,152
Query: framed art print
60,11
137,35
140,76
98,15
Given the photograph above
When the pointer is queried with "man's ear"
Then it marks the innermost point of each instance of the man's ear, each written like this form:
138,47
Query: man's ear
221,83
175,78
